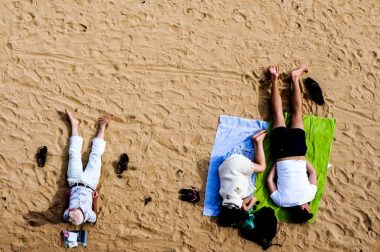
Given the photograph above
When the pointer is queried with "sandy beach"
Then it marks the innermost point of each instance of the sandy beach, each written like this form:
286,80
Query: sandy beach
167,70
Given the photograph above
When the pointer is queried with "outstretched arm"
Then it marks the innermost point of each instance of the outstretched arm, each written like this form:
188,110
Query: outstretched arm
68,194
95,196
312,173
270,180
258,167
66,212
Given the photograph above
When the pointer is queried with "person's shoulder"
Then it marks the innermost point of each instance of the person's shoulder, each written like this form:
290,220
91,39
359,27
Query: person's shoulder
276,197
243,161
66,214
92,216
312,191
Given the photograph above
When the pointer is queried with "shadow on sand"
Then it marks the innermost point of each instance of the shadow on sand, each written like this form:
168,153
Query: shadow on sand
59,202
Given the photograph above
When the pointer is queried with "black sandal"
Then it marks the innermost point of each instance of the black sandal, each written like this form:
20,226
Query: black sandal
41,156
315,91
189,195
186,191
147,199
122,165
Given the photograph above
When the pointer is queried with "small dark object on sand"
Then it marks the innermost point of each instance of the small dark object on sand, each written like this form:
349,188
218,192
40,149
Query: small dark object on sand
41,156
315,91
189,195
147,200
122,165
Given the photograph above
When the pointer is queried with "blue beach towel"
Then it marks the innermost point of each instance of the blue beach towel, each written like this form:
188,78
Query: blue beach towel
233,136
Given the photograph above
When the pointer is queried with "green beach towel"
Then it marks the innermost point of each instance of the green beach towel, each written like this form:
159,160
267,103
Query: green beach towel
319,139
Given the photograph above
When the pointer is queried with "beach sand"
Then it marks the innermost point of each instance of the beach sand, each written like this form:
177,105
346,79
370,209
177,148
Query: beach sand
167,70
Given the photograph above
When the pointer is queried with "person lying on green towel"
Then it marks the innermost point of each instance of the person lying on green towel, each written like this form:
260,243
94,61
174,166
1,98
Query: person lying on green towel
295,186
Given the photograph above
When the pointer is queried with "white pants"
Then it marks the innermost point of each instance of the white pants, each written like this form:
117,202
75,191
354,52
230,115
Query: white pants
90,176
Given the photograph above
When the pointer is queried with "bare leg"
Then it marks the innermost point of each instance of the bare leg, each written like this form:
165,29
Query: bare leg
92,172
103,122
297,120
74,123
259,151
75,167
278,115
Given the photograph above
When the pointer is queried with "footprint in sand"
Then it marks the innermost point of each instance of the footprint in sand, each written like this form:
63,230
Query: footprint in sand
179,175
238,16
251,79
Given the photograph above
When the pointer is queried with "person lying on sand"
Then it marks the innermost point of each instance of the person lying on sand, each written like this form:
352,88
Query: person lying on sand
83,197
236,187
296,178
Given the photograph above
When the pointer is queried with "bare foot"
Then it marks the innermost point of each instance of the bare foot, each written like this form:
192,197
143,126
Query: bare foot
259,136
298,71
103,122
74,122
273,71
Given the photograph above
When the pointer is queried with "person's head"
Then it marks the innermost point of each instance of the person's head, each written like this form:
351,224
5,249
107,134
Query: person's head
301,213
264,230
76,216
231,216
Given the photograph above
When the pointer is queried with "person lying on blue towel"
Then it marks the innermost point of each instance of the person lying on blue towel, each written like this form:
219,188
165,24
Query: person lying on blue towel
236,186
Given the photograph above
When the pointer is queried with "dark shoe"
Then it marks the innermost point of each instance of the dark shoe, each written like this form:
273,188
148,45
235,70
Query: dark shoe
147,199
186,191
122,165
189,195
314,90
41,156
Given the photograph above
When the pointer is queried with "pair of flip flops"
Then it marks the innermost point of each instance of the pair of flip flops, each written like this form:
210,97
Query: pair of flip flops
190,195
41,156
122,164
314,90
